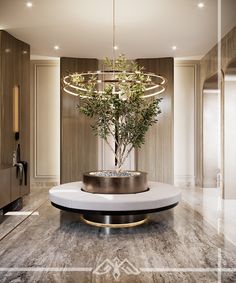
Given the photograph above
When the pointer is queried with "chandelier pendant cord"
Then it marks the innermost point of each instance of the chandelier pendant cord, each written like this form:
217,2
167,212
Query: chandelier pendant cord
113,30
114,36
76,84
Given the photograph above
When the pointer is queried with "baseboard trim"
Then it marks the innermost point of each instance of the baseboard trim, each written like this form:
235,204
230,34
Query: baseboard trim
184,180
44,184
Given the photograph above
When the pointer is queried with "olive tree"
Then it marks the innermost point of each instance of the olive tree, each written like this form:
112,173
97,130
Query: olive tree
119,110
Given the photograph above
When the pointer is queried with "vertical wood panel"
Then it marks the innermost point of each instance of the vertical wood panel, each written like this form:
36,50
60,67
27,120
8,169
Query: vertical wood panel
23,74
79,147
5,192
156,155
8,50
14,71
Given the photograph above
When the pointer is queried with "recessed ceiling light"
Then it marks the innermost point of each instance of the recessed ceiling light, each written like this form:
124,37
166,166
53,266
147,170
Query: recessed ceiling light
174,47
29,4
201,5
56,47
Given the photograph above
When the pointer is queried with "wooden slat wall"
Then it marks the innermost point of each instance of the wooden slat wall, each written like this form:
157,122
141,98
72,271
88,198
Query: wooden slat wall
156,155
79,147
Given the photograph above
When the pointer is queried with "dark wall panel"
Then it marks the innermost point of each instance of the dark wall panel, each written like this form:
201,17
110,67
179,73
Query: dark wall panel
156,155
24,79
14,71
79,147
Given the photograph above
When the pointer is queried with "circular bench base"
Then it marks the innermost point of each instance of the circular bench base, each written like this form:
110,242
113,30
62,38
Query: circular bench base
114,210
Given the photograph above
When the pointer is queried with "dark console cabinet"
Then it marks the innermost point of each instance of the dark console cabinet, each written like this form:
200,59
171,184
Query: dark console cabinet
14,75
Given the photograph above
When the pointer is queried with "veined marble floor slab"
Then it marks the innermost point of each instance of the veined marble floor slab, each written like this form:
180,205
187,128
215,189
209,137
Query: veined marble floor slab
219,213
31,203
174,246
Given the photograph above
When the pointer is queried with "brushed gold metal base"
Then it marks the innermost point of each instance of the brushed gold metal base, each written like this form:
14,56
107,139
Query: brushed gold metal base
114,225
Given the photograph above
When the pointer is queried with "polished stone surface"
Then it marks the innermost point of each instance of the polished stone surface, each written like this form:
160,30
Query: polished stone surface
30,203
174,246
221,213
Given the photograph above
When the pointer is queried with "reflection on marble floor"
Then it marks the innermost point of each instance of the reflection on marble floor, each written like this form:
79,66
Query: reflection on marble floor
175,239
219,213
30,203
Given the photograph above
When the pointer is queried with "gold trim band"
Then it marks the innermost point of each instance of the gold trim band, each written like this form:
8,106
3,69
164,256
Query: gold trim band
121,225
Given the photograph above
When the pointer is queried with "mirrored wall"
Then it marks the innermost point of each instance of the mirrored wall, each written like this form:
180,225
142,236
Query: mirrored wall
230,130
212,149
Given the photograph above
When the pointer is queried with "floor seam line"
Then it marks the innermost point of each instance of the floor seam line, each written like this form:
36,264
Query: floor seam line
22,221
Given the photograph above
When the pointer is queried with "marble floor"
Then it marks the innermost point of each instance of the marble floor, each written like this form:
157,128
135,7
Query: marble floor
179,245
219,213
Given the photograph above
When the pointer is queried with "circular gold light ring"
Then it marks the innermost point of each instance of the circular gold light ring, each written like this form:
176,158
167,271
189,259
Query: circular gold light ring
154,94
162,89
105,225
163,80
156,89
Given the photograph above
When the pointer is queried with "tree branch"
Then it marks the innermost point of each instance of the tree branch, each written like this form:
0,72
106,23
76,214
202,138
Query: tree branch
128,152
111,148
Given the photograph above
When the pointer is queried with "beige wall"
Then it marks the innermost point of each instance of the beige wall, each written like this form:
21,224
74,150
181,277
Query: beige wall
45,122
185,91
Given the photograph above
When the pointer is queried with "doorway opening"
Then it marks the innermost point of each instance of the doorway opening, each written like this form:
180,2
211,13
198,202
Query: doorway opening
229,131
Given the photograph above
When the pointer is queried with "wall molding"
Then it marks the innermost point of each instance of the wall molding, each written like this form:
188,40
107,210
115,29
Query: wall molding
39,184
190,180
184,181
36,175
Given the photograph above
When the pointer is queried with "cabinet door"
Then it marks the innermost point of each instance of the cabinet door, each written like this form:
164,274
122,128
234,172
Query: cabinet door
8,78
15,187
23,78
5,193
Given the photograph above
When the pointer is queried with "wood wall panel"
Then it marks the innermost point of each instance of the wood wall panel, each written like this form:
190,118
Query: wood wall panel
8,50
156,155
79,147
14,71
23,75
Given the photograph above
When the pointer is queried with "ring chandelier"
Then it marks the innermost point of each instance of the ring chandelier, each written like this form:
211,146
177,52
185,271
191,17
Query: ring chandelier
154,84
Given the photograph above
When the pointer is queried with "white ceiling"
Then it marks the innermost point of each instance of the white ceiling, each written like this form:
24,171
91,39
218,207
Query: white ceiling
145,28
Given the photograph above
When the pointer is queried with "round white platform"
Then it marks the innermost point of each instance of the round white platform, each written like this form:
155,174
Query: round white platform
159,197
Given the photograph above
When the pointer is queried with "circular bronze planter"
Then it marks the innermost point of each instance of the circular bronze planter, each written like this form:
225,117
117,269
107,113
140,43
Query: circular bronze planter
136,183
